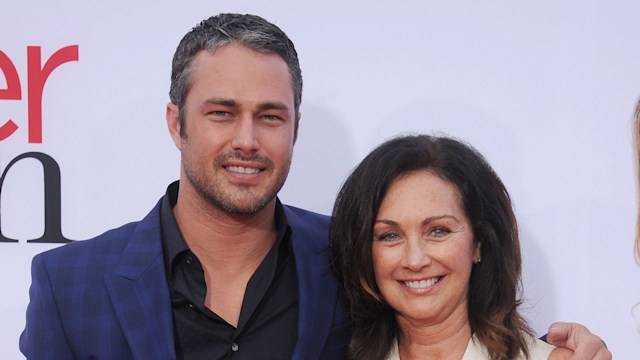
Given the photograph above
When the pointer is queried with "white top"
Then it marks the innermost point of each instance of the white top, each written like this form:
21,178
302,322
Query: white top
538,350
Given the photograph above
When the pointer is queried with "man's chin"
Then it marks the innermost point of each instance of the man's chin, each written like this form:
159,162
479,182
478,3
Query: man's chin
242,207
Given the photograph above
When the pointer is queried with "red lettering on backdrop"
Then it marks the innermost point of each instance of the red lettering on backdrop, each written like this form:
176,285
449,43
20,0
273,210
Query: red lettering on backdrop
37,78
12,92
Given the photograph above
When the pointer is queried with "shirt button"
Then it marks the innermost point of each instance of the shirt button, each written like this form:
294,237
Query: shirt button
189,259
234,347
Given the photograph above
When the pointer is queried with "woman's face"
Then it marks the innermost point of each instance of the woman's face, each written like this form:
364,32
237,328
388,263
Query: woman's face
423,249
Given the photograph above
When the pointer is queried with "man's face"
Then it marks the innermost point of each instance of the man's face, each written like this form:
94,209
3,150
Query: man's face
239,128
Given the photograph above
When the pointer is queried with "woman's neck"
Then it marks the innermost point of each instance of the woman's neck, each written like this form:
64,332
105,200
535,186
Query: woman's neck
446,340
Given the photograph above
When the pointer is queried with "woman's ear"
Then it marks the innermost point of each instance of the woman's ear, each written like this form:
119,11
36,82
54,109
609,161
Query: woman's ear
477,256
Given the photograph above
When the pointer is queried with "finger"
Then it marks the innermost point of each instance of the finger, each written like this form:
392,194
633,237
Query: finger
558,334
590,347
603,354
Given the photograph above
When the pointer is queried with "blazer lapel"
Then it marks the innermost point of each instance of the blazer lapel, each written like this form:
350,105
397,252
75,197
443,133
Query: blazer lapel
317,290
139,293
317,301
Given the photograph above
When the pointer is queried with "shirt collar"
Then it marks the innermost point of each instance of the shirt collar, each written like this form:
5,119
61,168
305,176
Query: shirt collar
174,245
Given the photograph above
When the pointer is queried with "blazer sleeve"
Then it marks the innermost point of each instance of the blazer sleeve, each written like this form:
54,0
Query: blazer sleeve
43,337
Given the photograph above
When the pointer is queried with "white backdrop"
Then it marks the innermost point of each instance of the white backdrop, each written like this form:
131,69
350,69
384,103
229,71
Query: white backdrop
544,90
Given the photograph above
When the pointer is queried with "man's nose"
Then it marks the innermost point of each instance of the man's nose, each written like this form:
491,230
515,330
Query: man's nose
245,137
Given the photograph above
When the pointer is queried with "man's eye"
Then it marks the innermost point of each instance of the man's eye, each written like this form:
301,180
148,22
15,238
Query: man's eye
270,117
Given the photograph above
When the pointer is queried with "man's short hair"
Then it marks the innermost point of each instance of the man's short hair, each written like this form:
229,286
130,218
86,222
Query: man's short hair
217,31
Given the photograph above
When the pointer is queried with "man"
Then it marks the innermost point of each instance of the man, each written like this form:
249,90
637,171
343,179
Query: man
219,268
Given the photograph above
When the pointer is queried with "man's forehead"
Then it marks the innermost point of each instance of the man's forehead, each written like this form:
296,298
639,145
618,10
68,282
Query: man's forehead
236,69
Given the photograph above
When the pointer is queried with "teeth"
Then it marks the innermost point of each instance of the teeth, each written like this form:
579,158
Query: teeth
422,284
243,170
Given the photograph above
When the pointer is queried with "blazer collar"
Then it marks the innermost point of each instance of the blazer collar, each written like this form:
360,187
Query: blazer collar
139,292
317,289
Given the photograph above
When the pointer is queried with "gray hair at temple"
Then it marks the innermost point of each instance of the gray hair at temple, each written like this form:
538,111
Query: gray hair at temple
217,31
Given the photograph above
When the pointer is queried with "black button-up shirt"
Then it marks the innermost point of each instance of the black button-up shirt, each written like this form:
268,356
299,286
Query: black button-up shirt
267,327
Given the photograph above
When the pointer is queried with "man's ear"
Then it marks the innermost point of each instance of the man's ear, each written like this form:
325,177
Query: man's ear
173,124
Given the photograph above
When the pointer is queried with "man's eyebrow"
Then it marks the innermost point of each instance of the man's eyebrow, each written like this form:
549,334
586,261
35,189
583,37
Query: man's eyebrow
272,106
223,102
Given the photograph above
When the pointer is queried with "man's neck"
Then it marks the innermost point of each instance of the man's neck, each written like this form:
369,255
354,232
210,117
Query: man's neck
219,238
230,248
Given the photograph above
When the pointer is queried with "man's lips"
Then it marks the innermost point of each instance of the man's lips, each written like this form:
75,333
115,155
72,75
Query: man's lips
243,164
243,169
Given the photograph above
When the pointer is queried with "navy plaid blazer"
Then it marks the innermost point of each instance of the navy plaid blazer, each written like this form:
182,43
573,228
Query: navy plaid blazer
107,298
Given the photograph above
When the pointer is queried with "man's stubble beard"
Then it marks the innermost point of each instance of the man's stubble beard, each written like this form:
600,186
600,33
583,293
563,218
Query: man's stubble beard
234,199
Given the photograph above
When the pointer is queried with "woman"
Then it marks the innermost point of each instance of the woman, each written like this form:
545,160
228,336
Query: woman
425,243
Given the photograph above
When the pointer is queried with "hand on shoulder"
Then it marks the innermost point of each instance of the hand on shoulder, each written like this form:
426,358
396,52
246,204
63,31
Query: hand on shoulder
578,338
560,354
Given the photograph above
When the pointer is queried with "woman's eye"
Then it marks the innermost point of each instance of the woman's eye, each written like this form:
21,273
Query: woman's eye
388,236
439,232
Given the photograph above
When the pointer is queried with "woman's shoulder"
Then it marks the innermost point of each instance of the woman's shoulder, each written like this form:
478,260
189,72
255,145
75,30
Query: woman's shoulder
538,350
560,354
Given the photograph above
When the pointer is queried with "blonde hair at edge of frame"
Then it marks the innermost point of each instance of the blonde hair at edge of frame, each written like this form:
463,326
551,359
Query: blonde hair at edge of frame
636,145
635,310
